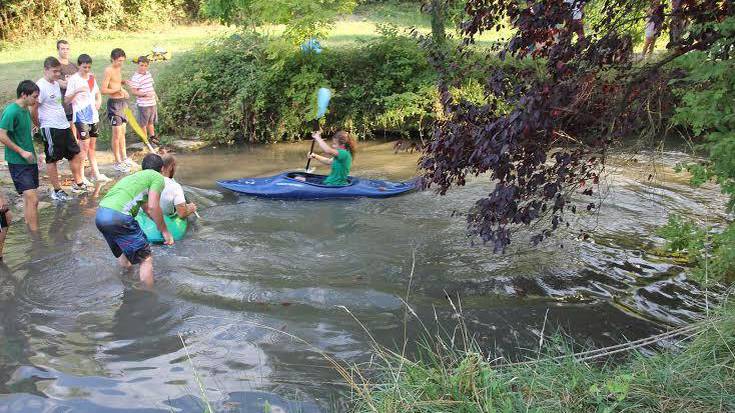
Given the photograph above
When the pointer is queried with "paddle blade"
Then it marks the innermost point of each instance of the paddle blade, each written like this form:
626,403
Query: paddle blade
322,101
136,128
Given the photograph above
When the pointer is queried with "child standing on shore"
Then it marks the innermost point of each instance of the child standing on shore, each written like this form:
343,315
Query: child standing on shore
141,85
112,85
83,93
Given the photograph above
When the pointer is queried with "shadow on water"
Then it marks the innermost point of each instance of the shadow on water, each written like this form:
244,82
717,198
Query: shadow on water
78,335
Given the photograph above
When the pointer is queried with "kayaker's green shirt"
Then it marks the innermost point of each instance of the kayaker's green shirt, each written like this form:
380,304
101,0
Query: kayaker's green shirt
128,194
341,165
17,122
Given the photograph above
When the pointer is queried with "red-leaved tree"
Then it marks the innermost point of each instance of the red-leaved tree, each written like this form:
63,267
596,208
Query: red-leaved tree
541,137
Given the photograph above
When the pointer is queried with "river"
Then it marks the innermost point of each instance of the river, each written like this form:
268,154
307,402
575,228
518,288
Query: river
76,334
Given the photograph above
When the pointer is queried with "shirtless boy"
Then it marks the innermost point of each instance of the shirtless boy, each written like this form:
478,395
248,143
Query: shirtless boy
112,85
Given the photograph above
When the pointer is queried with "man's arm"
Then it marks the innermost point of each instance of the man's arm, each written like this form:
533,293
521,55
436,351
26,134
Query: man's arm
184,210
34,114
5,139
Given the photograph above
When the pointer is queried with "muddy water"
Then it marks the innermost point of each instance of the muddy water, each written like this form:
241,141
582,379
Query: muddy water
77,335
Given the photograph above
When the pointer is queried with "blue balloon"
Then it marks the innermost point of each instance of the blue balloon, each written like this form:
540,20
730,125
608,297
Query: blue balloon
322,101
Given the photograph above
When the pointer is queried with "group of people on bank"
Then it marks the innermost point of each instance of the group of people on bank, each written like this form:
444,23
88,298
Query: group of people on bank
63,109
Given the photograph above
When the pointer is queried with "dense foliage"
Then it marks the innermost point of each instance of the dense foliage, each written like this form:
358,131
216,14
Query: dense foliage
706,115
248,88
553,140
21,19
710,250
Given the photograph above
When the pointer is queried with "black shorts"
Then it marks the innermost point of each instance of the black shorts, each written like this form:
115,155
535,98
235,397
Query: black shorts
116,111
86,131
25,177
59,144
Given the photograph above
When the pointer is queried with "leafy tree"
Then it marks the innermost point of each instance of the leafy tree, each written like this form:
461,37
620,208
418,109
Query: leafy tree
303,18
541,137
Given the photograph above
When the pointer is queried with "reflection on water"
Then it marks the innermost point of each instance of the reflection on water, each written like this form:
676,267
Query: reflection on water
76,333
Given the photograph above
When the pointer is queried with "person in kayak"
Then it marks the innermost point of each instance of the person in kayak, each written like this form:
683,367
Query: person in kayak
116,217
342,150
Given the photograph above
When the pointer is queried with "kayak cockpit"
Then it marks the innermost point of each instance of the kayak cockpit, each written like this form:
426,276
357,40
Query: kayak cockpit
316,180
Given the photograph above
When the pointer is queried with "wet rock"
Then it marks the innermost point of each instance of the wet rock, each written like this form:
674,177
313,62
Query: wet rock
136,147
182,145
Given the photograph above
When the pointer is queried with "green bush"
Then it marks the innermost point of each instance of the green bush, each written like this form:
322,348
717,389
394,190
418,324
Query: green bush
247,87
251,88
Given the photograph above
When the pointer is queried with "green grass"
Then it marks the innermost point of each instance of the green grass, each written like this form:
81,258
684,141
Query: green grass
25,60
698,378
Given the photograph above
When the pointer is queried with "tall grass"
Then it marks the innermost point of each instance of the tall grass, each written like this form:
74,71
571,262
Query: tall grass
454,375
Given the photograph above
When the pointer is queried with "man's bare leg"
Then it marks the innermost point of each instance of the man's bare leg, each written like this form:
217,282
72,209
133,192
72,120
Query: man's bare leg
146,272
123,260
92,156
76,168
123,146
4,232
114,142
30,209
53,175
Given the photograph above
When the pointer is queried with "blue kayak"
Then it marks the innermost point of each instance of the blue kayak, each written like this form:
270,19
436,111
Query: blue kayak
286,186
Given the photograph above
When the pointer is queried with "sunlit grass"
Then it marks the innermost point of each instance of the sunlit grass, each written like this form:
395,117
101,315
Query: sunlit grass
25,60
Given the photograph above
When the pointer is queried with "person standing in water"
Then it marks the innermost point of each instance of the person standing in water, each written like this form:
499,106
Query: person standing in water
115,217
112,85
342,150
16,134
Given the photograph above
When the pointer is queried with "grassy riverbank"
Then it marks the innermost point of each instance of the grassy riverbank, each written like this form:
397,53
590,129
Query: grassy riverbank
698,377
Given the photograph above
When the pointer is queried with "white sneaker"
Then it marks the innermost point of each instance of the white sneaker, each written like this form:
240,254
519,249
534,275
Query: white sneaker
59,195
121,167
102,178
130,163
86,182
78,189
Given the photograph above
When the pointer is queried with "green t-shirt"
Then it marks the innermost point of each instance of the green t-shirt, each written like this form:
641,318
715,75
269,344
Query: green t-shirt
128,194
341,165
17,122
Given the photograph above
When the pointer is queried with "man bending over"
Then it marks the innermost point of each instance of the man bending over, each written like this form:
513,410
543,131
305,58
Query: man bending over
116,217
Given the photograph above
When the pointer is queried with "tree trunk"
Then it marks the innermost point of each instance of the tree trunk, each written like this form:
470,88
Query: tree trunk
438,19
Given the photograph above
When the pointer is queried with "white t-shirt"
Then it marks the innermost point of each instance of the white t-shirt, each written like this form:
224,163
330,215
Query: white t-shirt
50,112
172,195
83,106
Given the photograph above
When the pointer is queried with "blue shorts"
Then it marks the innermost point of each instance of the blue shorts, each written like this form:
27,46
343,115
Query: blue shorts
25,177
123,235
